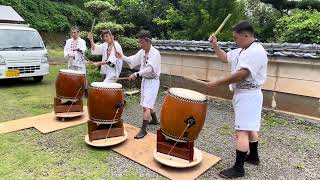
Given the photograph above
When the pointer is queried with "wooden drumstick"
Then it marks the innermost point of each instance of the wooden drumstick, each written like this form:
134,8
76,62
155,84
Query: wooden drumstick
221,25
120,78
92,26
197,81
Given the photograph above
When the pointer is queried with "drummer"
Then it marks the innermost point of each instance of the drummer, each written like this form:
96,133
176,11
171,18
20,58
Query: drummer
249,72
111,66
74,51
149,60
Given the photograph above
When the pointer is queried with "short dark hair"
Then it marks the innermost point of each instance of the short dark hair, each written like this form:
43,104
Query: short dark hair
145,34
75,28
243,26
110,32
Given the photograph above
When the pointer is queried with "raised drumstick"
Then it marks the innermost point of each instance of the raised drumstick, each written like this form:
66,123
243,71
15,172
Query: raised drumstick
92,26
221,25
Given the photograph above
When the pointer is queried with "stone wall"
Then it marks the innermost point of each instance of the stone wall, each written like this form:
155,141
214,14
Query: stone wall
293,83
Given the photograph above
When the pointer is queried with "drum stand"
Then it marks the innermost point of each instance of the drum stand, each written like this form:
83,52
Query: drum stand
183,150
98,130
68,109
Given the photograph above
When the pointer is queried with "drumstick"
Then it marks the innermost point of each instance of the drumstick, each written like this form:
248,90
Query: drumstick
92,26
221,25
120,78
197,81
114,46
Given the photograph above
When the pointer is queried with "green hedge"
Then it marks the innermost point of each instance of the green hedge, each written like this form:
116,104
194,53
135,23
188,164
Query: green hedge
299,26
50,16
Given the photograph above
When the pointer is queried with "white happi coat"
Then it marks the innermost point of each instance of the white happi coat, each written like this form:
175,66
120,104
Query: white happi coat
150,79
75,58
248,98
110,72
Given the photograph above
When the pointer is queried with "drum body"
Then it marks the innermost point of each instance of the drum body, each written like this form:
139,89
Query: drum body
105,102
70,84
183,114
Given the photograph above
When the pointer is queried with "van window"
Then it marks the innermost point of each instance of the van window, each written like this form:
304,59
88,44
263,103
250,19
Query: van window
19,39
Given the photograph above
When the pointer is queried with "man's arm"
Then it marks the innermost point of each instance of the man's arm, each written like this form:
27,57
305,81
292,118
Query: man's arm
233,78
222,55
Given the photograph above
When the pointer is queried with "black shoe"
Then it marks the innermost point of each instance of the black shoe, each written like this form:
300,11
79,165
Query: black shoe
252,160
231,173
154,119
140,134
143,130
86,93
154,122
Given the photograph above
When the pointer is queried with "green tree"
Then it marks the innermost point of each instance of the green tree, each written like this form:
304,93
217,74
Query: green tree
264,18
285,5
299,26
196,20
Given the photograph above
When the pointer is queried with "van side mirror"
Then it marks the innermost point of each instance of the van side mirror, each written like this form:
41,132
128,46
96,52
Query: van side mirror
45,43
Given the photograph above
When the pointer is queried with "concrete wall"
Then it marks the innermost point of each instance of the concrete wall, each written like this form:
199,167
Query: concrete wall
293,84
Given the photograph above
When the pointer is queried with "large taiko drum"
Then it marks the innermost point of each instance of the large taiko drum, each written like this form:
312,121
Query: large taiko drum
183,114
70,84
105,102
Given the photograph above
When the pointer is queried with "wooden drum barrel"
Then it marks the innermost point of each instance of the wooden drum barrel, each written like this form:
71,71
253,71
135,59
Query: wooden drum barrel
105,102
183,114
70,84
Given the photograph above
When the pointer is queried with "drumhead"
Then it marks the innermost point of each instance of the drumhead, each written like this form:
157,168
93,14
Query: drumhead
187,94
70,71
106,85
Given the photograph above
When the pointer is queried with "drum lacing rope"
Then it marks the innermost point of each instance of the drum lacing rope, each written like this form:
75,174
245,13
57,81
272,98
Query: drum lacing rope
179,138
112,124
74,99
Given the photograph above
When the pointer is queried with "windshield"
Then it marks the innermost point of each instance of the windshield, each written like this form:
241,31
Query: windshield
19,39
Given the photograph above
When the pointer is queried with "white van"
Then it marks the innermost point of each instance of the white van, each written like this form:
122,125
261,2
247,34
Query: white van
22,52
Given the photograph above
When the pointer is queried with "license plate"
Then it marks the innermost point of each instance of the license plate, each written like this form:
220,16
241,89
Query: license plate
12,73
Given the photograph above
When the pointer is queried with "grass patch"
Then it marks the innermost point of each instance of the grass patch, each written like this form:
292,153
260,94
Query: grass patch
28,154
271,120
226,130
55,53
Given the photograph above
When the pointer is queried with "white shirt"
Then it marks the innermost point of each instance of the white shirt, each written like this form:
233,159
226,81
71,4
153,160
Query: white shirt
75,58
102,50
152,59
254,59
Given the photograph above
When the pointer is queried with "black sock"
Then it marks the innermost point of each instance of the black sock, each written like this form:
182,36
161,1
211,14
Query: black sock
240,158
253,151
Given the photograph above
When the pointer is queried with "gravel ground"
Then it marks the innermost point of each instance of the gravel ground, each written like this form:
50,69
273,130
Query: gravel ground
288,147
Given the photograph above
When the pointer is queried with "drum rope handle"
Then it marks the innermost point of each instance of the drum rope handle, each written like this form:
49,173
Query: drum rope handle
112,124
74,99
179,138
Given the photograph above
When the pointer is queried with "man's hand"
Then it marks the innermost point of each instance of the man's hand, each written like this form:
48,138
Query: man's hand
119,55
212,84
90,36
96,63
213,41
133,76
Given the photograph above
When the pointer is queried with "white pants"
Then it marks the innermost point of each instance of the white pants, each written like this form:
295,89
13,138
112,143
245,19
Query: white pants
247,108
149,92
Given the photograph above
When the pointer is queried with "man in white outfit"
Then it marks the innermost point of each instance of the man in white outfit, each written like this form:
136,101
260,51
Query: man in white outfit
149,60
111,66
248,73
74,50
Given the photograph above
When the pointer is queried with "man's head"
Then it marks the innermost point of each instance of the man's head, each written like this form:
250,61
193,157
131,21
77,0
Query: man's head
108,35
145,39
75,32
243,34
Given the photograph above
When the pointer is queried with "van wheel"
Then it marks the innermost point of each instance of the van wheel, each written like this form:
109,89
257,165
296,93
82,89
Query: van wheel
37,78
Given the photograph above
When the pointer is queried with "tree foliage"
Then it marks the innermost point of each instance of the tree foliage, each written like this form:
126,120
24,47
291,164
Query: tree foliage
286,5
50,16
264,18
299,26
